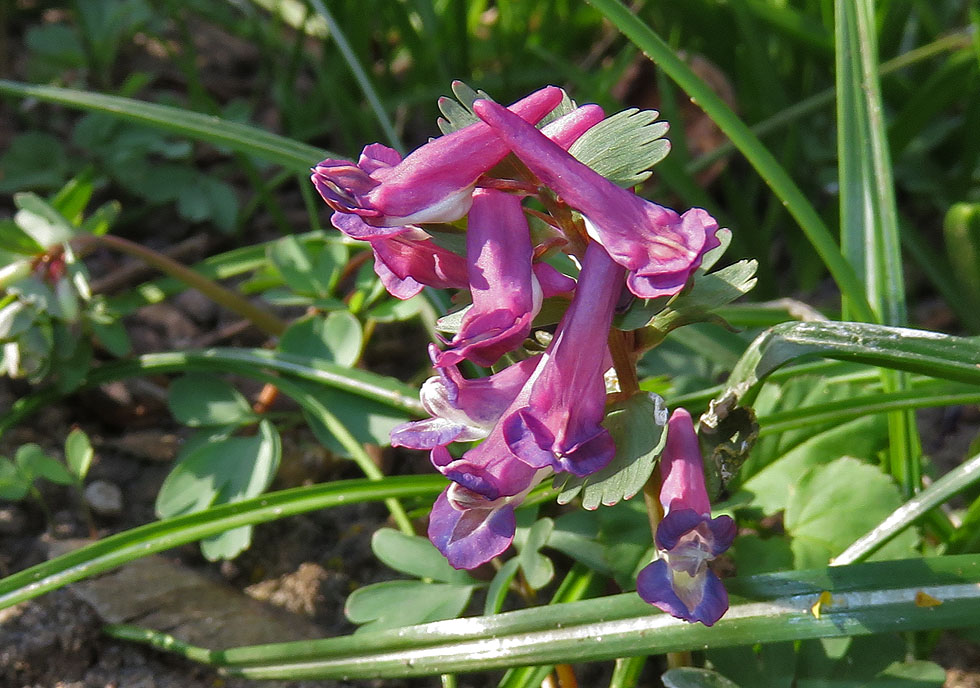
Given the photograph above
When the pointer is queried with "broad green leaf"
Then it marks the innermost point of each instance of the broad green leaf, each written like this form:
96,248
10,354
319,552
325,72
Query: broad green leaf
227,545
72,199
769,485
820,499
308,269
754,554
33,160
337,338
693,677
15,318
369,421
13,485
220,469
41,221
637,427
16,240
623,147
78,453
205,401
393,604
415,556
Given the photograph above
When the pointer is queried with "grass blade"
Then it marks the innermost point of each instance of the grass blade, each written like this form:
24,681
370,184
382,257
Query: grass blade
241,138
758,155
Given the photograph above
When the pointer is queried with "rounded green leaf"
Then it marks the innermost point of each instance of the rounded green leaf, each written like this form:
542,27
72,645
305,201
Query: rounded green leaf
393,604
78,453
205,401
13,485
337,338
693,677
415,556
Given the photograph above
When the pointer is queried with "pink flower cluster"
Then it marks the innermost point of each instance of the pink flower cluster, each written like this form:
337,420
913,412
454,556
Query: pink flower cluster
543,414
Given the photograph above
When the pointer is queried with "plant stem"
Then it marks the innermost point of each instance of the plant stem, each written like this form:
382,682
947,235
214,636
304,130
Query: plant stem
230,299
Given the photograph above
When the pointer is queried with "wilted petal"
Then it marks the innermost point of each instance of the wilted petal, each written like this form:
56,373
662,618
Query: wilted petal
659,247
561,424
433,184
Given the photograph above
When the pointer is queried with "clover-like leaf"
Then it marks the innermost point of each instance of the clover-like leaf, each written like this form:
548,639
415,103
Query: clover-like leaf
637,426
206,401
415,556
623,147
393,604
78,453
529,539
338,338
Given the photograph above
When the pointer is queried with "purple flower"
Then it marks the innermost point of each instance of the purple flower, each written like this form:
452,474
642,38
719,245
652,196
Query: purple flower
506,295
406,258
659,247
473,519
462,410
679,582
433,184
560,426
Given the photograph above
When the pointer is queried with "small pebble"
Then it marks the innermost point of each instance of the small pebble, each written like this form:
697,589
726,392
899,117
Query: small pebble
13,520
104,498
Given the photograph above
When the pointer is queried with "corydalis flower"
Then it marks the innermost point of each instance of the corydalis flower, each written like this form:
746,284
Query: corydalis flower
462,410
659,247
679,582
473,519
560,426
407,259
433,184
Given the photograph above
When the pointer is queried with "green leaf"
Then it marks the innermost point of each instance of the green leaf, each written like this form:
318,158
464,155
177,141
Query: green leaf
302,267
241,138
754,554
227,545
369,421
917,351
205,401
34,160
867,598
78,453
16,240
13,485
818,500
707,293
338,338
41,221
33,463
624,147
538,569
961,229
499,585
637,427
692,677
394,604
219,469
415,556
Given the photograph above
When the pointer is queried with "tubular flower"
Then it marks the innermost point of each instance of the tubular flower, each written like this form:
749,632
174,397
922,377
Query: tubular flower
659,247
462,410
407,259
679,582
506,294
560,426
433,184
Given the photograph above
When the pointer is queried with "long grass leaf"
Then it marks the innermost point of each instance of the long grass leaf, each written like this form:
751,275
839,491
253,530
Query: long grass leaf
241,138
758,155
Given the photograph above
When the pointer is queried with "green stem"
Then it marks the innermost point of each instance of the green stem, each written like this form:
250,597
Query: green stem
232,300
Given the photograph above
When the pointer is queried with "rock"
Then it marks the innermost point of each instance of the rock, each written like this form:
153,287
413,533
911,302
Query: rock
13,520
104,498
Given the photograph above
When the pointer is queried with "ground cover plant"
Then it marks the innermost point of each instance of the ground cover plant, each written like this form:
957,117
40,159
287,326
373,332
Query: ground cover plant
665,373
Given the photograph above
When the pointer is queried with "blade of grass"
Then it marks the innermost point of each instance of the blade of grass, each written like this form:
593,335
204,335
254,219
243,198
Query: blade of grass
367,88
869,217
866,598
765,164
121,548
242,138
